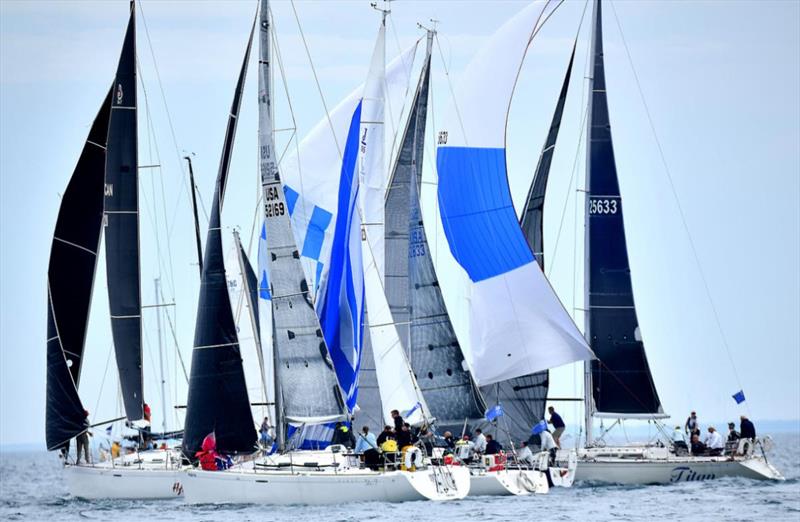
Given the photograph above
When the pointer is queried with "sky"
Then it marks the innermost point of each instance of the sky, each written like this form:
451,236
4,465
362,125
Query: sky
721,82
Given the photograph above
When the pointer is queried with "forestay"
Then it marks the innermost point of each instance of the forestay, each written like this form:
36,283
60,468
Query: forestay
412,286
70,279
621,381
122,228
517,324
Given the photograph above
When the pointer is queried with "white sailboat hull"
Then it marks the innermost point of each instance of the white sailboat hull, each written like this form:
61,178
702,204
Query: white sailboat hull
671,469
323,487
153,474
562,473
507,482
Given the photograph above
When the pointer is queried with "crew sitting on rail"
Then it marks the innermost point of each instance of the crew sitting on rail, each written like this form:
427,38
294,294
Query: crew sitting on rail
714,442
492,446
525,455
210,460
464,448
698,448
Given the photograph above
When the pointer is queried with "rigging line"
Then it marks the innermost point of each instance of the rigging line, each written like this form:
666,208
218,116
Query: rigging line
316,78
678,203
103,382
151,143
169,121
175,340
452,91
286,90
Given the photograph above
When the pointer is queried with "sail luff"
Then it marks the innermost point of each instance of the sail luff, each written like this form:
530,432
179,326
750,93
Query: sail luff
305,379
123,269
218,400
70,281
621,382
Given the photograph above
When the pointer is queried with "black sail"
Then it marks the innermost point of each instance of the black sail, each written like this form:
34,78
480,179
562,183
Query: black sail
523,398
621,380
122,228
70,279
252,289
218,400
412,287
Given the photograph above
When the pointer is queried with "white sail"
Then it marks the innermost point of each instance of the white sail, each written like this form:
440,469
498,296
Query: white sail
398,387
517,325
311,176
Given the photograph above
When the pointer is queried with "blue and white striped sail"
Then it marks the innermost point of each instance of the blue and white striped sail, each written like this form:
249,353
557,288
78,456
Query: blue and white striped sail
311,174
517,325
340,302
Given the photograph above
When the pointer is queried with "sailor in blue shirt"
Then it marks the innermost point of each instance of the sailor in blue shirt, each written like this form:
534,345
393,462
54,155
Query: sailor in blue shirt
365,441
558,425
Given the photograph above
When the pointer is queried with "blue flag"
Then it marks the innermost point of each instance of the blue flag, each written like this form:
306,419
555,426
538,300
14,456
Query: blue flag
494,412
739,397
540,427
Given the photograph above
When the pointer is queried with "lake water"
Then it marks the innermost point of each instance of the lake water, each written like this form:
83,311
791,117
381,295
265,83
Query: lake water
31,489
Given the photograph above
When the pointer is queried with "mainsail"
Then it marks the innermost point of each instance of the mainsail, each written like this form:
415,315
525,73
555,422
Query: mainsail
523,398
218,400
517,324
412,287
70,278
621,383
307,390
122,228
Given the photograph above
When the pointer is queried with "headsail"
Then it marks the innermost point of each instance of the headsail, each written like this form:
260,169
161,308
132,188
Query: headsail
621,381
517,324
396,380
122,228
218,399
412,286
306,383
70,279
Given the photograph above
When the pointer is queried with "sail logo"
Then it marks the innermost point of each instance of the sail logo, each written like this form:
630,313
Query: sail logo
687,474
119,94
109,190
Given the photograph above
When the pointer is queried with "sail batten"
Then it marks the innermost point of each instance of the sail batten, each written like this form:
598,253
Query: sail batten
218,400
122,228
621,383
70,280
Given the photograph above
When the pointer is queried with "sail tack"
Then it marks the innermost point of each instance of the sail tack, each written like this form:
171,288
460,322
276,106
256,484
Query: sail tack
218,400
412,286
70,279
621,381
517,324
122,228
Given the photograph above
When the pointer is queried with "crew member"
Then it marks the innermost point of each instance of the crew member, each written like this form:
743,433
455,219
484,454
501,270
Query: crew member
714,442
692,427
479,442
558,426
492,446
746,428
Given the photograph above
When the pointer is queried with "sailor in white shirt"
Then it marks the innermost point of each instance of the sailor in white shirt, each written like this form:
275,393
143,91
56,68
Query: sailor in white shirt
525,455
548,442
464,448
714,442
480,442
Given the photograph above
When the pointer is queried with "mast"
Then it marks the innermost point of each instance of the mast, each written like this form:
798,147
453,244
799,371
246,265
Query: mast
193,190
156,284
588,402
122,227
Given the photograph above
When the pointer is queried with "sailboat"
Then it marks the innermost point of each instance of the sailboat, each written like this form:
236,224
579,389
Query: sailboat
307,391
102,196
619,383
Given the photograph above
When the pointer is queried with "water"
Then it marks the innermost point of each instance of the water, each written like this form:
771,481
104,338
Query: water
31,489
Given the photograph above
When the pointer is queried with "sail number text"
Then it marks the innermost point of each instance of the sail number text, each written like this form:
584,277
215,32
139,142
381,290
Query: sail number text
273,206
603,206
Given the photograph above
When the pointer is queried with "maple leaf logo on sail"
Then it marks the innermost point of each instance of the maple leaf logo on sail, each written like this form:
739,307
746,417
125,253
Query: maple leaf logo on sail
119,93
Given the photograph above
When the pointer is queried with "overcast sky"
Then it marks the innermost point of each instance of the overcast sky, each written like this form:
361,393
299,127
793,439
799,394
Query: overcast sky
721,81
